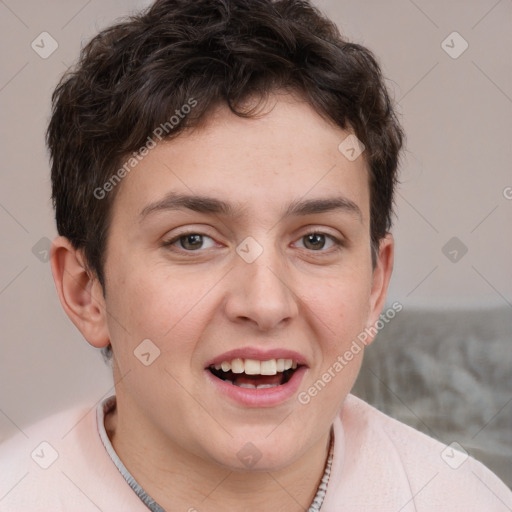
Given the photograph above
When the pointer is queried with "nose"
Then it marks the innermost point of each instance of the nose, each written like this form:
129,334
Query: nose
261,294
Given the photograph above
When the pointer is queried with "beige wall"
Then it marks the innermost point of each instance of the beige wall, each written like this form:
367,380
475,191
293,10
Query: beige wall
458,118
457,113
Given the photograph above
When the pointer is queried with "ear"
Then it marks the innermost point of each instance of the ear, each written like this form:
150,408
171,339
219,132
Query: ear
380,281
80,292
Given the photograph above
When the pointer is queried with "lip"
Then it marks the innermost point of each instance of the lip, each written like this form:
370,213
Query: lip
266,397
258,354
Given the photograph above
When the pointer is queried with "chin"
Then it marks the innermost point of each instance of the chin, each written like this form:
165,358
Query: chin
257,453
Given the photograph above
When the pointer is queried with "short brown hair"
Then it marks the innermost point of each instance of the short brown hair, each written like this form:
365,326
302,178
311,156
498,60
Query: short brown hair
132,77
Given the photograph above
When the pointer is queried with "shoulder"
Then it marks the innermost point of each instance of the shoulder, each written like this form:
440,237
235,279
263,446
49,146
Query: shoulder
411,469
59,464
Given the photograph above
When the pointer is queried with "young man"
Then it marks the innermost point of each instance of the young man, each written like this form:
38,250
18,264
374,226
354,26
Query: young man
223,175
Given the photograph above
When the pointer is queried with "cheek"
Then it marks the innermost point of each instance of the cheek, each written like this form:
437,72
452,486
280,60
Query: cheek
341,307
341,315
153,303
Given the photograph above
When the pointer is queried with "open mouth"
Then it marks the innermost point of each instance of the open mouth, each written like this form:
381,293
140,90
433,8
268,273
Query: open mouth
254,374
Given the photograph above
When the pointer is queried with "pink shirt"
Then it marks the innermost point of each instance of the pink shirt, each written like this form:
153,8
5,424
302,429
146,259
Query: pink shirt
379,465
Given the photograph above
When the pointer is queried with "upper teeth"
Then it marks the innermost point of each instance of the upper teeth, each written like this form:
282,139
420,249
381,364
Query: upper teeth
255,367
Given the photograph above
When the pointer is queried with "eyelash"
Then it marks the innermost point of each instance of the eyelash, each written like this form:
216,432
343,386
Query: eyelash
338,244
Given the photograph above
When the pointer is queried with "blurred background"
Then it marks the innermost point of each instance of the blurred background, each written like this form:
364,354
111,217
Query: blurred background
443,363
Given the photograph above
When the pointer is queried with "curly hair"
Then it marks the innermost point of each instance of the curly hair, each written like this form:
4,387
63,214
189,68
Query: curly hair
133,76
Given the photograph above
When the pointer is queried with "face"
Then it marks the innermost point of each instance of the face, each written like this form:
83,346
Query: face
241,250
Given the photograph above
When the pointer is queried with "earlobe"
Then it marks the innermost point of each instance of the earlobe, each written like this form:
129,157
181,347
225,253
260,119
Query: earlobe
381,277
79,292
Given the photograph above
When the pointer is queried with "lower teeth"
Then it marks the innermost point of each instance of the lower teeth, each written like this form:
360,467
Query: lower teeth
229,377
252,386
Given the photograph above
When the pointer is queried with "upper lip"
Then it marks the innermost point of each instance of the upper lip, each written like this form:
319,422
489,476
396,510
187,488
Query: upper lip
259,355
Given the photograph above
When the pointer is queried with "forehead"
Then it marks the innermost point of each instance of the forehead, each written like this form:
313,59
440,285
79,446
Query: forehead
257,164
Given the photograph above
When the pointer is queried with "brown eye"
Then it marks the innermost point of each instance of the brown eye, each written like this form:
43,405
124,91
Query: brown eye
319,242
191,242
314,241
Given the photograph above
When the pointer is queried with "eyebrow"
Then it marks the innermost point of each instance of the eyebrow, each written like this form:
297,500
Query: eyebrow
200,204
211,205
312,206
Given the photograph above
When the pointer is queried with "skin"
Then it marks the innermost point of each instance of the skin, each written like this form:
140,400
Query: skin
176,434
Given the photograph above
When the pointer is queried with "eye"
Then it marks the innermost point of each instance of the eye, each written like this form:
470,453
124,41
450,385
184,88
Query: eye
319,241
191,242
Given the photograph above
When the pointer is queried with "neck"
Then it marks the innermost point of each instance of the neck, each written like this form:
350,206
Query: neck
180,480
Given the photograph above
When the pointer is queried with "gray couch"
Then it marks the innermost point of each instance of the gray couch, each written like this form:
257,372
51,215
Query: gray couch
448,374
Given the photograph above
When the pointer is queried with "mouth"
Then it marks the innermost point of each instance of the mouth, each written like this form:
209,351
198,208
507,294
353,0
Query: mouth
255,374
